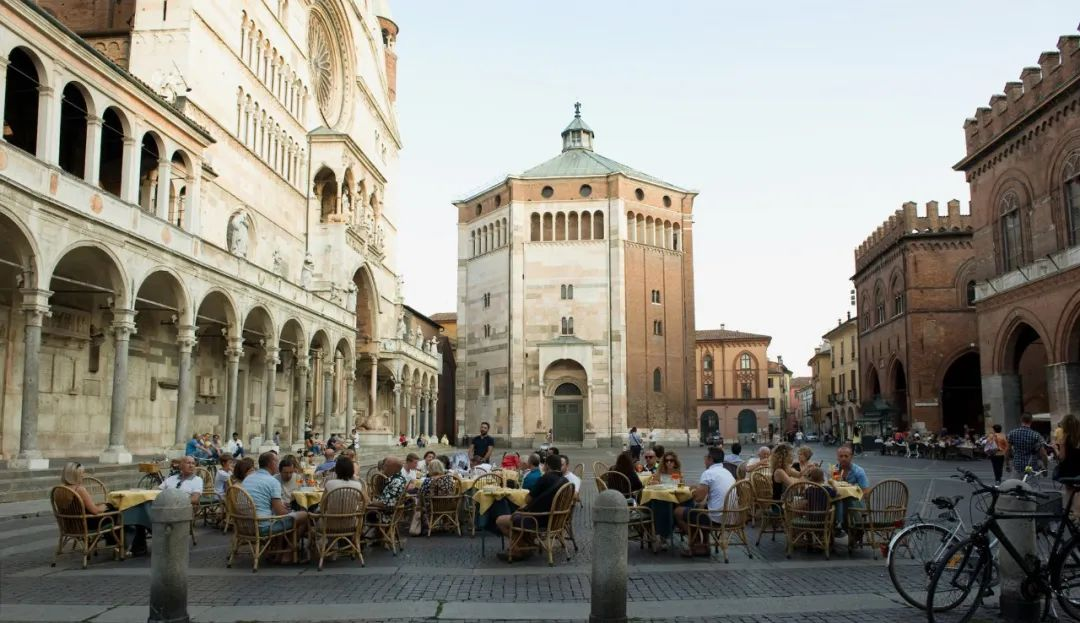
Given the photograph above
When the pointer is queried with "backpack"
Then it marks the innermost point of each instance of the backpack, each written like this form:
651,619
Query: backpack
992,445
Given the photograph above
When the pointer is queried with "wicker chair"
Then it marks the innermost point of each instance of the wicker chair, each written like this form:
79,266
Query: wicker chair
210,506
383,526
85,534
767,512
641,527
338,527
579,470
808,517
551,532
247,533
598,467
442,510
374,469
736,512
375,484
99,493
491,479
875,523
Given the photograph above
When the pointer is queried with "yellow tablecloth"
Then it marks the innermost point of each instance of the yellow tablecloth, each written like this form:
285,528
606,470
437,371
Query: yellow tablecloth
510,474
307,499
847,491
678,495
486,498
467,483
125,499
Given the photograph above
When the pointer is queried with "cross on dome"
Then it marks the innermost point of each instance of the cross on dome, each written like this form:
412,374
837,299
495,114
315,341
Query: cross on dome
577,135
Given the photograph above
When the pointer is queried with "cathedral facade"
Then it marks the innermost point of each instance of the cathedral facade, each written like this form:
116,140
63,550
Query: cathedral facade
576,302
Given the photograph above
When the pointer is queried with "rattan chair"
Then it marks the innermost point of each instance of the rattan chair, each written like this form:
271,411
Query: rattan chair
490,479
383,525
442,510
733,517
210,506
598,467
641,527
808,517
548,529
275,539
768,513
882,514
99,493
579,470
86,533
376,482
338,527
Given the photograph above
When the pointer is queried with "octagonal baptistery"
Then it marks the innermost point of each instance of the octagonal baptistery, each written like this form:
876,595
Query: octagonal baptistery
576,302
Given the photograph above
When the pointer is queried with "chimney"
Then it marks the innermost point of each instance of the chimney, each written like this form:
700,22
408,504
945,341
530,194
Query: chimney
722,326
849,315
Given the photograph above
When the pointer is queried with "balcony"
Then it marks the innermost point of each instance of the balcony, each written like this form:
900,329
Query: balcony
1043,267
398,346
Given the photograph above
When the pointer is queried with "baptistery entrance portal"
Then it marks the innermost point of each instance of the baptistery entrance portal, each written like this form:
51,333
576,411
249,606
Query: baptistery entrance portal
567,414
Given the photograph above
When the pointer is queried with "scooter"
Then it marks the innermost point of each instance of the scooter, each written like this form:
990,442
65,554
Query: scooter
829,440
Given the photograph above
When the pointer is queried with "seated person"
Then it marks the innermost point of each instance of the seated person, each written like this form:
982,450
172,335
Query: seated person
734,457
343,476
670,470
429,456
711,491
72,478
194,448
816,475
805,454
328,461
411,470
185,480
351,455
289,477
569,475
437,483
243,467
533,473
649,462
759,461
402,440
850,473
541,496
624,465
478,465
443,440
265,491
382,505
224,474
783,473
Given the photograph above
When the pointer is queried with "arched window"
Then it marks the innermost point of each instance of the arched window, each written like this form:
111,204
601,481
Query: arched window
706,363
657,381
21,101
534,227
598,225
567,325
111,157
547,226
970,293
560,226
572,226
631,227
1012,240
898,297
487,383
73,114
745,361
1071,178
879,305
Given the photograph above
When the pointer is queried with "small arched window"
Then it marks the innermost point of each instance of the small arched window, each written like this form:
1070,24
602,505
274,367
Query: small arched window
706,363
487,383
1012,240
1071,179
898,297
970,293
879,306
657,381
745,361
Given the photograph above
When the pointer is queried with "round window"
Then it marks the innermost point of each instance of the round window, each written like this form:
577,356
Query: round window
640,194
667,201
546,192
585,190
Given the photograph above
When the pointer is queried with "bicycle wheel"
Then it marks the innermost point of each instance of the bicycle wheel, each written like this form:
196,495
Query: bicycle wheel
148,481
912,553
1065,578
959,580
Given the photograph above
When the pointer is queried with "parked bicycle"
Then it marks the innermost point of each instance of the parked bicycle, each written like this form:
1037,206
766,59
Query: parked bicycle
962,576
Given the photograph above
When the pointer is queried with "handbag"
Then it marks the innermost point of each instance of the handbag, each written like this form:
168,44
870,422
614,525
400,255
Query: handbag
415,526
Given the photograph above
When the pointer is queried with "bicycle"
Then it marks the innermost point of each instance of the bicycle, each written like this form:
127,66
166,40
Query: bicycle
964,571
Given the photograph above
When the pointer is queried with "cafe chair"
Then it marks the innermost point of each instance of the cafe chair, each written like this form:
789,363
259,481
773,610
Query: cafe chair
490,479
442,510
881,514
376,483
86,533
210,507
545,530
768,514
733,517
598,467
384,525
338,527
258,535
99,493
808,517
640,528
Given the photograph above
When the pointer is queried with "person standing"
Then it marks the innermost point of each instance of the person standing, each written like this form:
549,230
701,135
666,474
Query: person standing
482,444
1068,453
996,447
856,441
634,441
1026,447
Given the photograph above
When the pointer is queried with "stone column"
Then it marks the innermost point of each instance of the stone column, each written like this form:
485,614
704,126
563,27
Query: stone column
328,395
233,352
171,514
1063,387
610,518
163,187
35,306
48,143
374,398
350,410
431,415
123,327
3,83
1002,399
129,184
410,415
92,163
396,427
185,395
272,361
301,399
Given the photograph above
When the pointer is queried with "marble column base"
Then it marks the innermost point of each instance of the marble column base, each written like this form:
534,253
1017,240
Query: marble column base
377,439
29,460
115,456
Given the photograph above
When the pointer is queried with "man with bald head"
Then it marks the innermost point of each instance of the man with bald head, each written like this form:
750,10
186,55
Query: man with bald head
395,485
761,460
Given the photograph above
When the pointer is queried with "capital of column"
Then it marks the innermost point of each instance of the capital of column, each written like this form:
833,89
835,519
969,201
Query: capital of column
185,338
350,375
93,120
397,388
45,90
373,358
328,371
123,324
270,356
234,349
35,304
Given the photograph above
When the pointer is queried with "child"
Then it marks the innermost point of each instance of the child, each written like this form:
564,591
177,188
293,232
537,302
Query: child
816,475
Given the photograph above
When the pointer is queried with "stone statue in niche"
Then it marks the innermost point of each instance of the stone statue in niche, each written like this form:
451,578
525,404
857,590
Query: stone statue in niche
307,271
350,296
346,203
238,234
335,293
419,339
433,345
279,263
402,330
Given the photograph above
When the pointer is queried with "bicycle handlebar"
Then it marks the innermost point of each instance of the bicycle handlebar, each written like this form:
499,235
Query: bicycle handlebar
994,490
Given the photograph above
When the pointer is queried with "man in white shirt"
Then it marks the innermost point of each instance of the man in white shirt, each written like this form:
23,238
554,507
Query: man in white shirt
712,489
569,475
186,480
235,447
411,470
761,460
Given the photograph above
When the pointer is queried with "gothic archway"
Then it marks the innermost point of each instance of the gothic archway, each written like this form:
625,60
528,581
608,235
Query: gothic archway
961,395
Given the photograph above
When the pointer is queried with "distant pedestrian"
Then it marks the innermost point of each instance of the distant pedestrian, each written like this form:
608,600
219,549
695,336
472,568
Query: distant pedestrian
633,439
1026,447
996,447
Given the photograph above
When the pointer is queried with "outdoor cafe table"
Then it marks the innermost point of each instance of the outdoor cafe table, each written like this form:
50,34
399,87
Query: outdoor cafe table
307,499
134,505
662,500
485,497
846,491
493,502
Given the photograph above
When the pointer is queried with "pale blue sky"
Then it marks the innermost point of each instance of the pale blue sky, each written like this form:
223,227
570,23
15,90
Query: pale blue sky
802,124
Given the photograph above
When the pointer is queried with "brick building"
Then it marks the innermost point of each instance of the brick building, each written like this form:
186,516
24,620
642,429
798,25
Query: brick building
576,301
917,342
732,387
1023,167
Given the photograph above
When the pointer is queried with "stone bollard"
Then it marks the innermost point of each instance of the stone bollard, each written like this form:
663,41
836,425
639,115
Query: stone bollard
1021,532
610,518
171,513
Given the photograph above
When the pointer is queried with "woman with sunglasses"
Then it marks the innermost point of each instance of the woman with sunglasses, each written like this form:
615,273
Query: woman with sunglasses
670,469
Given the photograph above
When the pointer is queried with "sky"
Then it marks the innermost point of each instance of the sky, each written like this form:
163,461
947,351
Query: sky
803,125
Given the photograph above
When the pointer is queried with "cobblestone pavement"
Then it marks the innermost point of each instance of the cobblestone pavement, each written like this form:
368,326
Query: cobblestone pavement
449,578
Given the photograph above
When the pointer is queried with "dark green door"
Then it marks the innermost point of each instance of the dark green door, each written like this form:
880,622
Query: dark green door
568,421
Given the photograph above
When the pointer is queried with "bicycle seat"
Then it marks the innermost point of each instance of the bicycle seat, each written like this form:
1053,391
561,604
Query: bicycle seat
946,503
